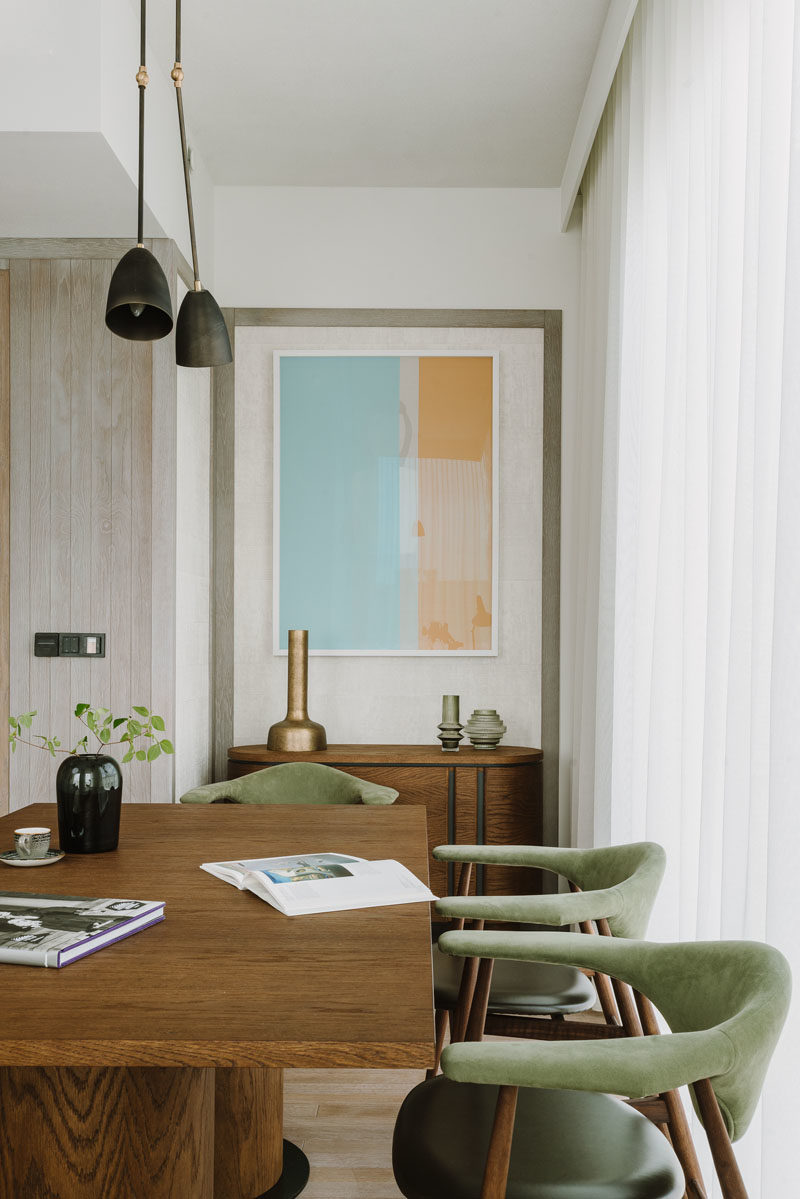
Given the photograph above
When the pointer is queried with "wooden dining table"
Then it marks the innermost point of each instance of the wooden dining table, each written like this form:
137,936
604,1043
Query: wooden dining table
155,1066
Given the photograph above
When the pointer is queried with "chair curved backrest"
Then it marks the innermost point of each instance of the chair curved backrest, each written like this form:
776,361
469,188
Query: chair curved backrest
724,1001
293,783
617,882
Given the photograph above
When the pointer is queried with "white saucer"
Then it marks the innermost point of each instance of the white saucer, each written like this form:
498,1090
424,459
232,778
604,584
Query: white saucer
12,858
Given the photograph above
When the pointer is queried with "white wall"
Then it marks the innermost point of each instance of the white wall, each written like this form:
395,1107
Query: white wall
394,248
193,581
68,69
391,248
49,65
119,109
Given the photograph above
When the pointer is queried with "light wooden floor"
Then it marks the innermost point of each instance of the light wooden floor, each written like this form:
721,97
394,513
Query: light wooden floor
343,1121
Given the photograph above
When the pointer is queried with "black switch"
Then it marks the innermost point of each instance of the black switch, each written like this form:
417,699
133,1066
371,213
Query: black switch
45,645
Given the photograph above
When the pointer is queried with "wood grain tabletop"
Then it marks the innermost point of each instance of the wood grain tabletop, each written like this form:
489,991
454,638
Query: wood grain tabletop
225,979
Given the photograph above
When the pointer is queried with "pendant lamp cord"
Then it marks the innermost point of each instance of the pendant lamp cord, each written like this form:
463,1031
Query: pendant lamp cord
177,78
142,80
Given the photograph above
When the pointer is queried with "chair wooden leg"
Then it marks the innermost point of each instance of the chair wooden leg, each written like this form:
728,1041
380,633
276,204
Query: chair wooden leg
683,1145
442,1020
466,995
680,1134
495,1176
627,1008
727,1167
480,1002
622,994
464,876
602,984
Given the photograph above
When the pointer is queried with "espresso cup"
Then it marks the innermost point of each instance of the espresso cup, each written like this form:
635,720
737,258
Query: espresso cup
31,842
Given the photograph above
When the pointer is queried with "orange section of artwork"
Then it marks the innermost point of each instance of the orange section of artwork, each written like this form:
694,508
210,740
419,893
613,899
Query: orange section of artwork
455,503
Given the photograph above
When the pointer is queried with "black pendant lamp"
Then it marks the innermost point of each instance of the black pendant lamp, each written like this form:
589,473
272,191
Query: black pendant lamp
139,306
201,338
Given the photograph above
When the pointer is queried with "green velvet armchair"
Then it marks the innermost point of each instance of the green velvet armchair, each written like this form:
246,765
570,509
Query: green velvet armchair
293,783
472,1134
614,889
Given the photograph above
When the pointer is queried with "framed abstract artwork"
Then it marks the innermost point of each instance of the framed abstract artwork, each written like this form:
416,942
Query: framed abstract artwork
385,509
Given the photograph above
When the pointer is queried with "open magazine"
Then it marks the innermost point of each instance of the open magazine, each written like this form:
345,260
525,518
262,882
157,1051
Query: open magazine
322,882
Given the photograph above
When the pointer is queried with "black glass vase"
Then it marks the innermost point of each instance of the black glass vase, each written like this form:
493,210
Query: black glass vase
89,795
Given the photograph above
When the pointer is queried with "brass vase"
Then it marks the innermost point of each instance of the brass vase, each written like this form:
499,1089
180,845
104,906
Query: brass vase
297,734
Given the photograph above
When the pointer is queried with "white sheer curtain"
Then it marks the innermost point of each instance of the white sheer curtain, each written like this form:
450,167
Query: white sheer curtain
686,537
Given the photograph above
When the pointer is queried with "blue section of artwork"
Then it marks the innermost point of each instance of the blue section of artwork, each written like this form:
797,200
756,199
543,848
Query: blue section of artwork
339,566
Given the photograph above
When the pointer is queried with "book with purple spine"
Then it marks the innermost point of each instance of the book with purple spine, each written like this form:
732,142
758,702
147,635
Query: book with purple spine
54,930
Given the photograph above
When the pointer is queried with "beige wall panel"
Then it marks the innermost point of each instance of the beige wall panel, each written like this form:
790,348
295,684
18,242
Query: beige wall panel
163,459
60,722
100,598
80,496
41,764
20,771
5,453
119,630
138,776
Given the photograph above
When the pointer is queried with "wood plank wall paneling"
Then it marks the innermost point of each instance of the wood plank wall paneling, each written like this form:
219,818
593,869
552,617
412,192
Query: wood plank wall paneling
39,514
81,517
5,557
163,458
140,561
92,500
56,718
100,598
118,646
20,474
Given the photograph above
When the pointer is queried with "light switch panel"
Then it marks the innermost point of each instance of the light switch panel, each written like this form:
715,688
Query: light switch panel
69,645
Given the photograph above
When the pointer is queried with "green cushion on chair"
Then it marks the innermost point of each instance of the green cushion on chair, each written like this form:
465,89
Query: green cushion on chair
294,783
522,988
567,1145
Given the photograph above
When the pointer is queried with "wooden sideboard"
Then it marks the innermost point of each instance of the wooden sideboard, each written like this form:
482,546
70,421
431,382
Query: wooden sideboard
472,796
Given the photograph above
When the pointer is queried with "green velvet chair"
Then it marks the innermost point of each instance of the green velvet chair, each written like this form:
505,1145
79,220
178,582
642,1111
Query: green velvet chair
613,891
294,783
469,1133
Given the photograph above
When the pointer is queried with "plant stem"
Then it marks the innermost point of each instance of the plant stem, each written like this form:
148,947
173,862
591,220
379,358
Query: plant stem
35,745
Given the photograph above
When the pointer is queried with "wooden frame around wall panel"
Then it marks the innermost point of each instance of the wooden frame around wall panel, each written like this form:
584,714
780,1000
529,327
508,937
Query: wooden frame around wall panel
223,468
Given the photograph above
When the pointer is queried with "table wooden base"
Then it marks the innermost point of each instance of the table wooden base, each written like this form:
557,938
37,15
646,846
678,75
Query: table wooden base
248,1132
80,1132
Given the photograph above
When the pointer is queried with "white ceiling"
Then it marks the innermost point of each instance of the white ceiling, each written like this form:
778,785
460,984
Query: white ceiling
383,93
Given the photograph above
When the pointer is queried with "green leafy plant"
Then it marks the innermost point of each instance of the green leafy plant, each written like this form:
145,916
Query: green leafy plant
102,724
